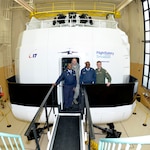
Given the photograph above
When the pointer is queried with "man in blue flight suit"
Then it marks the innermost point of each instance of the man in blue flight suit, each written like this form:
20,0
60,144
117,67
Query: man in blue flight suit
69,78
88,75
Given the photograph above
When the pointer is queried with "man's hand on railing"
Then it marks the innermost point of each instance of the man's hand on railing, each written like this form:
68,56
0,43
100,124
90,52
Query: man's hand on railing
54,84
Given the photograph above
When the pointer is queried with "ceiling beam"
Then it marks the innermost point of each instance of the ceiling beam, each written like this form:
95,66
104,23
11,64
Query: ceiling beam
25,5
123,4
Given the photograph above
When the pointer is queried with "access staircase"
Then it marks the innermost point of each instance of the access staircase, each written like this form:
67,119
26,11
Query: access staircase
68,130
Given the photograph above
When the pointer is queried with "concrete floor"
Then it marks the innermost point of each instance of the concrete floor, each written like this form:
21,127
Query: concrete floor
129,128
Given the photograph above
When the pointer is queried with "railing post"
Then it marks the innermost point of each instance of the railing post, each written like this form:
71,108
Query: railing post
36,138
32,126
46,115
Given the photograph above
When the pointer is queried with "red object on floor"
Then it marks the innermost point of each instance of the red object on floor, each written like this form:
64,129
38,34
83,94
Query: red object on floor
1,94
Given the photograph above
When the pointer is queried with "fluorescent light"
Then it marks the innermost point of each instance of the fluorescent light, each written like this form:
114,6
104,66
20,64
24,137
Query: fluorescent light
123,4
25,5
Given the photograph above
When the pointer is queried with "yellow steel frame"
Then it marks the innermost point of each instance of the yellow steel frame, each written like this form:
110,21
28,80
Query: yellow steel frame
97,9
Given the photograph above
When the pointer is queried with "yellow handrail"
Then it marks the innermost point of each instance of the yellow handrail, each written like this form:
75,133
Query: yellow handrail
51,9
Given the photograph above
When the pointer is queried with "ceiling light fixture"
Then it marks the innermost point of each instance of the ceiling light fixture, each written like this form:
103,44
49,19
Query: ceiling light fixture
123,4
25,5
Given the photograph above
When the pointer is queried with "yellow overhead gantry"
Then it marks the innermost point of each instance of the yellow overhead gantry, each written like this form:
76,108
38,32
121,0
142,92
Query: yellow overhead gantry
97,9
51,9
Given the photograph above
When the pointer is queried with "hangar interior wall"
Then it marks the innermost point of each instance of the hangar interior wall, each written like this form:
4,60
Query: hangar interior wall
13,22
6,69
132,23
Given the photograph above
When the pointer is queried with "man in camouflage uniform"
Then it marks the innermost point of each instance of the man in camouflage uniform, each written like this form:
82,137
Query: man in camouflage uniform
102,74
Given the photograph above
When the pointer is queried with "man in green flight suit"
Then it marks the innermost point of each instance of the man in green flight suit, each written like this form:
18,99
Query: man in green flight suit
102,74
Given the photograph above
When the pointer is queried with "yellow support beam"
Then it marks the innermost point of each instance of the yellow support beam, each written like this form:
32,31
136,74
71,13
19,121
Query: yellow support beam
97,9
94,13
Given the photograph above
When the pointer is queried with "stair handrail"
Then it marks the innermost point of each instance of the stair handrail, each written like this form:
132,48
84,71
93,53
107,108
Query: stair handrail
124,141
89,118
13,141
32,125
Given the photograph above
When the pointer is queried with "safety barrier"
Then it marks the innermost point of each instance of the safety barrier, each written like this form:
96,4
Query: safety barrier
50,9
11,142
124,143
